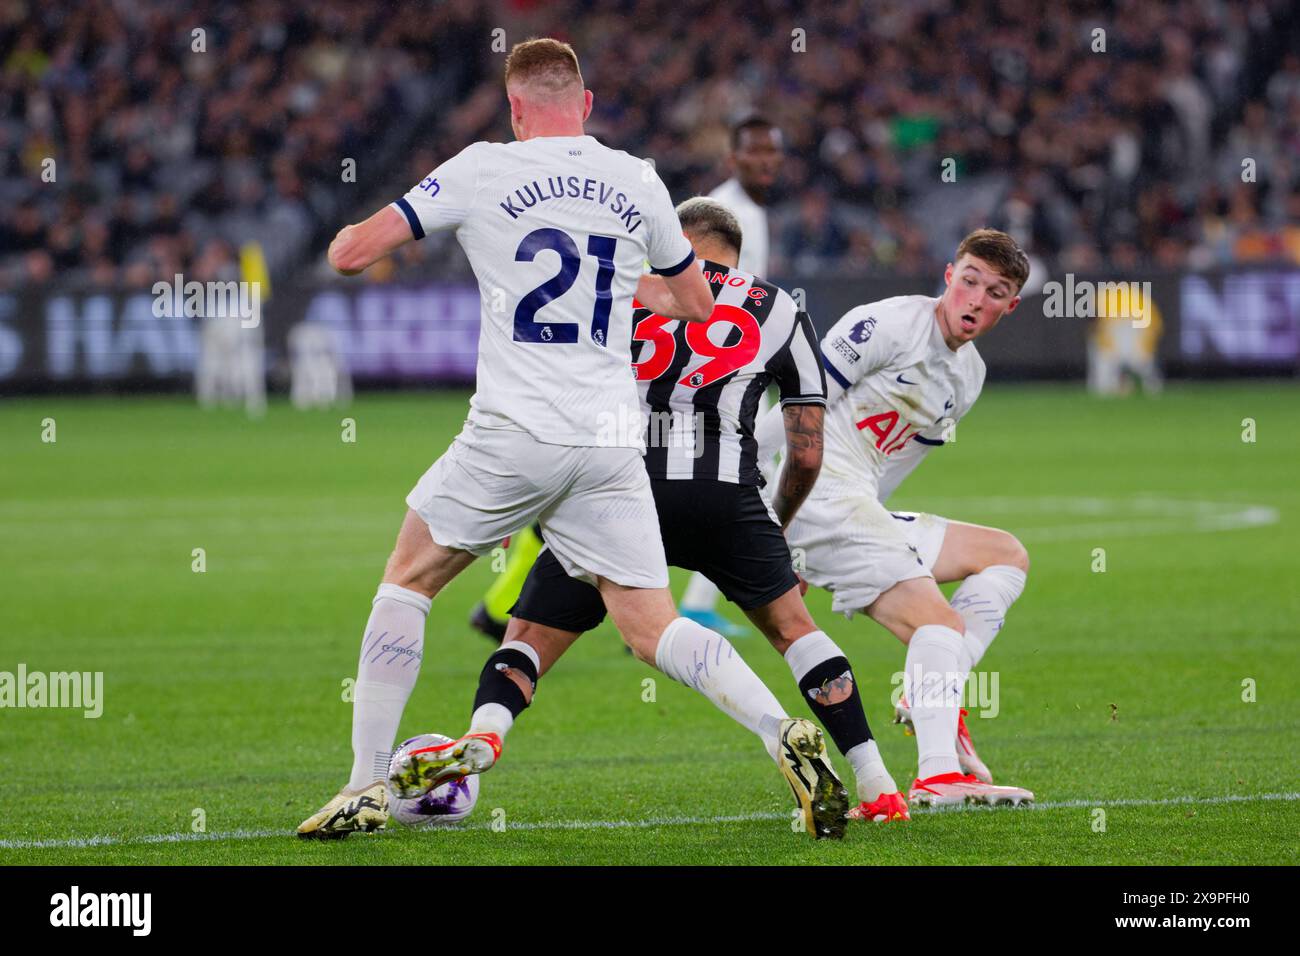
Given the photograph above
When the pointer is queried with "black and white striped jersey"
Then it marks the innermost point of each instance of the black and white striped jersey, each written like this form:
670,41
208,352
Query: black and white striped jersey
702,383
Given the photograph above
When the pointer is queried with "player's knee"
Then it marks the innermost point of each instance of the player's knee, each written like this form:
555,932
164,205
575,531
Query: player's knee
1011,552
642,644
945,615
904,624
936,611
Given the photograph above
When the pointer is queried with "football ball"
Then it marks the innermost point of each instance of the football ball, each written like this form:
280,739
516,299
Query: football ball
449,803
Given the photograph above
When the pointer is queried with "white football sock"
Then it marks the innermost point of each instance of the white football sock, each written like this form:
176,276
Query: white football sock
390,662
496,718
705,661
808,651
869,771
934,681
492,719
701,594
983,600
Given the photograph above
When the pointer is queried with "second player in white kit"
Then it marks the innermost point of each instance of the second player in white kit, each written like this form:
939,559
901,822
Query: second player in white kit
900,373
902,390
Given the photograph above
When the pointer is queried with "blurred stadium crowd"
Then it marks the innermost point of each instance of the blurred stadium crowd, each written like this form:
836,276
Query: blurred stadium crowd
169,158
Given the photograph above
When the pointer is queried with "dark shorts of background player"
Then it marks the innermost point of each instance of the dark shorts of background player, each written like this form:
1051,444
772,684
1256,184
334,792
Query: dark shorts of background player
720,529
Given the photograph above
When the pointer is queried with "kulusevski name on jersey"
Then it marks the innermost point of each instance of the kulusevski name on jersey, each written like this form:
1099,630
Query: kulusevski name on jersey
556,275
557,187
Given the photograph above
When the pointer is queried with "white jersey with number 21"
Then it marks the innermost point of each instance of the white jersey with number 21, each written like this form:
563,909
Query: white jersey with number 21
557,230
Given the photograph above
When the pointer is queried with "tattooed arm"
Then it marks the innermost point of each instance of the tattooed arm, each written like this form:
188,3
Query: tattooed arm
803,459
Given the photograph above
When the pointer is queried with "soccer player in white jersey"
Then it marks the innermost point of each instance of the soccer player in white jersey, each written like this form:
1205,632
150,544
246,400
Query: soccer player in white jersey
756,154
900,373
557,228
700,389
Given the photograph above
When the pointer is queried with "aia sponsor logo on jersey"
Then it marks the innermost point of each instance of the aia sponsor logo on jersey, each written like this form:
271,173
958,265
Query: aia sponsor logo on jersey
889,436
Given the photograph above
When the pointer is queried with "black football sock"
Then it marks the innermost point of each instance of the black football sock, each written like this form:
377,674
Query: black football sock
505,688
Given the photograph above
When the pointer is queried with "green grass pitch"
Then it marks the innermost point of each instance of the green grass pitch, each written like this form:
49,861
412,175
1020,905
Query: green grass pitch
224,722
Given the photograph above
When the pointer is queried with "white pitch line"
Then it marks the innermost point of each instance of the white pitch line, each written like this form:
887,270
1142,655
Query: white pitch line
651,822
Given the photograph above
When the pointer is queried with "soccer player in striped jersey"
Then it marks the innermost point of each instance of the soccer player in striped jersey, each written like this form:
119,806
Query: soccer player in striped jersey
557,228
901,372
700,390
756,155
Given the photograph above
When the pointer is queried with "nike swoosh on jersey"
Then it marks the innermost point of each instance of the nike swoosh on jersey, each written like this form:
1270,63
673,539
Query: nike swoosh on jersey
905,381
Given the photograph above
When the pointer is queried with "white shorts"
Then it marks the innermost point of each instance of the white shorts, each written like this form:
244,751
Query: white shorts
594,503
857,549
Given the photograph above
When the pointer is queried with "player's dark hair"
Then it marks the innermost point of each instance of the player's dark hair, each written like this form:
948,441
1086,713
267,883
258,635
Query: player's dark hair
708,220
749,122
550,63
1000,251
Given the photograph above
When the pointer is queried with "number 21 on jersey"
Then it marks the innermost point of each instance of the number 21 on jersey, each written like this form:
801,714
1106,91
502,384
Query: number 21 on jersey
527,328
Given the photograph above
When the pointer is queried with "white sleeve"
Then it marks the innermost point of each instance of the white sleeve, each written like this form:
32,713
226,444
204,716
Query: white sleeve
442,199
857,345
769,432
667,249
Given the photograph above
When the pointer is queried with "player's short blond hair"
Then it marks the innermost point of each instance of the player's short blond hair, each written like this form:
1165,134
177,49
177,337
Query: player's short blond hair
550,65
1000,251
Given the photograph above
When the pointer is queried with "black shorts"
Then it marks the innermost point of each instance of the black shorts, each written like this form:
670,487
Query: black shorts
722,530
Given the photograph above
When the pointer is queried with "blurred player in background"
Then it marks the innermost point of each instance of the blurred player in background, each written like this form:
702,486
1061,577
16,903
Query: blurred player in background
231,369
700,390
318,371
562,226
756,154
1123,341
900,373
